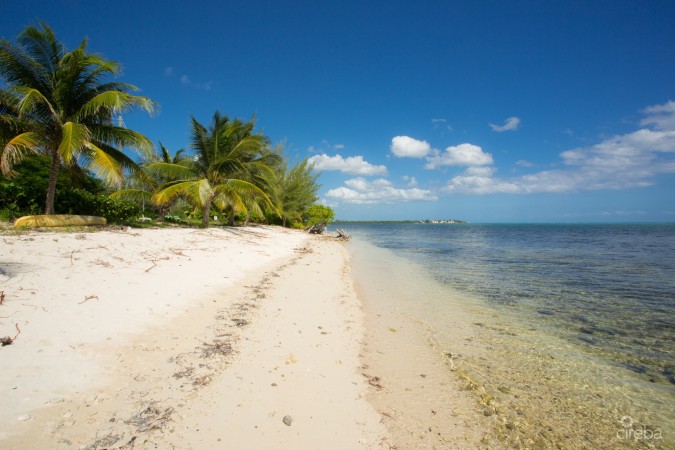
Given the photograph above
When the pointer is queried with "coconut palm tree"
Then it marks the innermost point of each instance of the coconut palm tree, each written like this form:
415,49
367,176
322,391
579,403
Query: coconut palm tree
58,103
230,164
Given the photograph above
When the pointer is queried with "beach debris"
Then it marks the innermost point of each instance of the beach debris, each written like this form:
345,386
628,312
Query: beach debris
373,380
317,228
239,322
342,234
23,418
88,297
2,297
6,340
103,442
287,420
184,373
150,417
218,347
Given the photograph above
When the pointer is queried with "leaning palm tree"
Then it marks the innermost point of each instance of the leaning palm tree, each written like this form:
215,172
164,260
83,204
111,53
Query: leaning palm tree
58,103
229,163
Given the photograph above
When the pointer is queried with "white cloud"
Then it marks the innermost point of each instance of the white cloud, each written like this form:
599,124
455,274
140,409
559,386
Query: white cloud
524,163
441,123
168,71
412,181
661,116
405,146
339,146
620,162
361,191
185,80
511,124
460,155
353,164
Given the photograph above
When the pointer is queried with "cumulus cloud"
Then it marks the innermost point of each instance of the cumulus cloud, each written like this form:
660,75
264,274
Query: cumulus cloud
511,124
407,147
459,155
355,165
361,191
620,162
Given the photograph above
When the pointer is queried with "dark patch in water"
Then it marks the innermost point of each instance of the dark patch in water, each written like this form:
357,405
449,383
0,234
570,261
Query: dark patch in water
545,312
635,368
586,340
581,319
586,330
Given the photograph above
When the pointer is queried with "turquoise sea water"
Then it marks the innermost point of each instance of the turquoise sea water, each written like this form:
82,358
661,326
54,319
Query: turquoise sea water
597,299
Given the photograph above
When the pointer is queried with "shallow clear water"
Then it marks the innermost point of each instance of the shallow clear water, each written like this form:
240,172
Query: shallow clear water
579,312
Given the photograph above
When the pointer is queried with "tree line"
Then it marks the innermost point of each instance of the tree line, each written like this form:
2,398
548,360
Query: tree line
61,136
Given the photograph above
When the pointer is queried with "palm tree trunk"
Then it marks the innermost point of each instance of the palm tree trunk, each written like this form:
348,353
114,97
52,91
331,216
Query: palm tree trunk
231,221
206,215
163,210
51,185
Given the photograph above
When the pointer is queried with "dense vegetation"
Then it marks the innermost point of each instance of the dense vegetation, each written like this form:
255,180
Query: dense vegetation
64,149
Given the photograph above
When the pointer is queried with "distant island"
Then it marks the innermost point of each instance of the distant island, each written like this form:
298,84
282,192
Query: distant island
429,221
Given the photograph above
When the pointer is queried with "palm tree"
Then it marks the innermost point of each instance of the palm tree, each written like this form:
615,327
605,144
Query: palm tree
57,103
230,165
147,183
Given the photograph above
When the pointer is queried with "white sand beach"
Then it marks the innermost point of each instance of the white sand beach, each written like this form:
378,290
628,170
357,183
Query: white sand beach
181,338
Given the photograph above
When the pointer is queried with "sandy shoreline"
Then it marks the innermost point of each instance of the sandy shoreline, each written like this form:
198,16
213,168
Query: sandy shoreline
184,338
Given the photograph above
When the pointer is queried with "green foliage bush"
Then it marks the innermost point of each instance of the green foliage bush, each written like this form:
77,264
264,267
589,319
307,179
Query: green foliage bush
79,201
319,213
77,193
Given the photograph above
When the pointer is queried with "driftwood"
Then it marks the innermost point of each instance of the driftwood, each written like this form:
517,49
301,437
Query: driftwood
342,234
317,228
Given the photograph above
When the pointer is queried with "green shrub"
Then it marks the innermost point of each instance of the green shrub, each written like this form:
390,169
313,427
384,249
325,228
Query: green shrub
79,201
319,214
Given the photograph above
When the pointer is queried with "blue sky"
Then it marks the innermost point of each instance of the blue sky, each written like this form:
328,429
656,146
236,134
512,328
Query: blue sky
487,111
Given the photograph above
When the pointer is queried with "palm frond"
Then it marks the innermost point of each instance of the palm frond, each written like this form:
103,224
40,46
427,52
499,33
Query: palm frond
74,137
30,97
115,102
16,149
104,165
199,191
123,138
132,194
42,45
17,68
170,170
